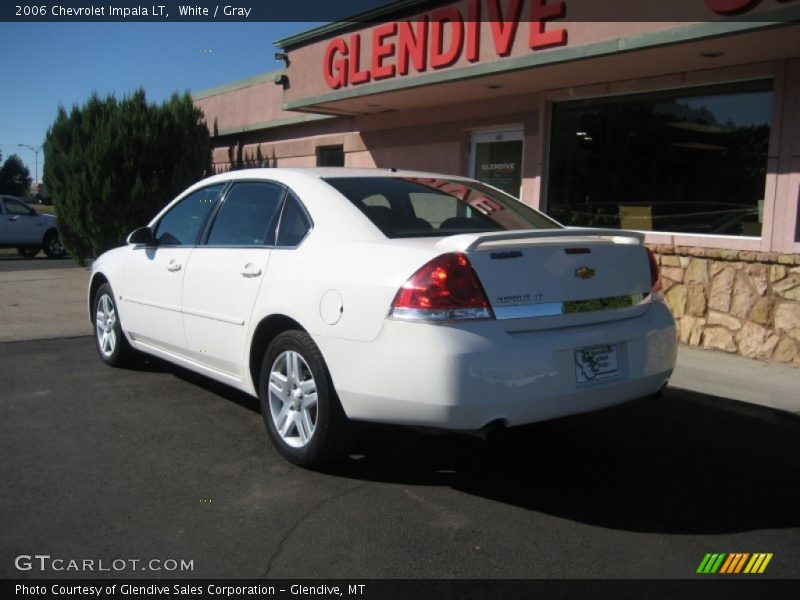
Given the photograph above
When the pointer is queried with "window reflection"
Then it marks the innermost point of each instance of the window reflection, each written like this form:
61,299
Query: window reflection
685,161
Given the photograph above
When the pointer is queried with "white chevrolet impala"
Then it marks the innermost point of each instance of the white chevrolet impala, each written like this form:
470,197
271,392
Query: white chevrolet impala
341,295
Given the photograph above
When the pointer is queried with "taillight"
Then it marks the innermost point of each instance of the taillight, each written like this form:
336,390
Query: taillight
655,273
444,289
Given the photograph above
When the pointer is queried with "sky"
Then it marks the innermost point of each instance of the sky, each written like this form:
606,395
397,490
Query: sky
48,64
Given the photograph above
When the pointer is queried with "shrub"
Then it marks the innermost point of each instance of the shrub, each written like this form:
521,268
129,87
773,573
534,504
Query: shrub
15,178
110,165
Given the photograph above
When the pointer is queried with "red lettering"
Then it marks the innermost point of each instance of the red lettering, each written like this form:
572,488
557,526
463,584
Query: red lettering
730,6
412,45
356,74
541,12
484,204
382,50
441,57
437,40
430,182
335,69
461,192
504,30
474,31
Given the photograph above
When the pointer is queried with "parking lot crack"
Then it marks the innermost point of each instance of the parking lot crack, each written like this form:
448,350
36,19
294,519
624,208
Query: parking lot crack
296,525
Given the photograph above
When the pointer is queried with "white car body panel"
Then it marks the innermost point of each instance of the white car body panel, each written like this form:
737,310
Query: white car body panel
449,375
150,294
465,377
219,291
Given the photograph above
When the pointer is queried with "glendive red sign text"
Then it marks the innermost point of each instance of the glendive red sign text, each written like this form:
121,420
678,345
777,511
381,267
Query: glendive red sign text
440,38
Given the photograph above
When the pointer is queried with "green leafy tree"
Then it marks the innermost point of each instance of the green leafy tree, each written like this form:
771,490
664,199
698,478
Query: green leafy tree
15,178
110,165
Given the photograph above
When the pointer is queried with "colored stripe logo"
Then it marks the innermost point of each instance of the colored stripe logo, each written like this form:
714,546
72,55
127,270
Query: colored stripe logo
734,563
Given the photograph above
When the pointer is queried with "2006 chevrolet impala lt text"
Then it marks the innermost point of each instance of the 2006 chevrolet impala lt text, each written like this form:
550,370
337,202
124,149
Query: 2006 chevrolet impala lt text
341,295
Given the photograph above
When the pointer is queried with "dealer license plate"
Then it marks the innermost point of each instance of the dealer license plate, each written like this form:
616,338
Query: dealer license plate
596,363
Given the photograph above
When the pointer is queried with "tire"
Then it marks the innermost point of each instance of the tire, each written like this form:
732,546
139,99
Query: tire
52,245
301,410
28,252
111,343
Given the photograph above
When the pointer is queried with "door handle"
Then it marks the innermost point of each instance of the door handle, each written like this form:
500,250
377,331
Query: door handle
14,218
250,271
173,266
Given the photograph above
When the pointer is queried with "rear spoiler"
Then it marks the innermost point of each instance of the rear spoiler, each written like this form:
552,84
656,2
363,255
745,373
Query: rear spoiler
467,242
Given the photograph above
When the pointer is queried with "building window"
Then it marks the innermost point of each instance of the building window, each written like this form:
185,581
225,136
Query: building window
683,161
330,156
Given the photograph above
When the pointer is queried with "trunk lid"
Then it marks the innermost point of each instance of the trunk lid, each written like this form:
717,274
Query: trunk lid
547,273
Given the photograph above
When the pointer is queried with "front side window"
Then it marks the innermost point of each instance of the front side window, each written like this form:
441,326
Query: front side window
423,207
184,222
248,216
683,161
15,207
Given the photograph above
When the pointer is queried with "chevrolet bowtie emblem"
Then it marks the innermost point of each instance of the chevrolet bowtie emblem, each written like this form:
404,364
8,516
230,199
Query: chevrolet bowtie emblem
584,272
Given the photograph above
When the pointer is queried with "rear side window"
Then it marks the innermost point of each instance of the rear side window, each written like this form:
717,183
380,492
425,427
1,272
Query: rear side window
294,225
428,207
248,216
184,222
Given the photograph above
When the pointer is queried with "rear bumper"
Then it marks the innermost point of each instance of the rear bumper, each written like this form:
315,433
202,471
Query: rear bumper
463,377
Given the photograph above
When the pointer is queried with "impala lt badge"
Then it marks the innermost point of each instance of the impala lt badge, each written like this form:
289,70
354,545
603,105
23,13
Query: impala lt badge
505,255
584,272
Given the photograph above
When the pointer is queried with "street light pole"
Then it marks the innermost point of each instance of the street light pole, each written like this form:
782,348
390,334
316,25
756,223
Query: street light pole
35,150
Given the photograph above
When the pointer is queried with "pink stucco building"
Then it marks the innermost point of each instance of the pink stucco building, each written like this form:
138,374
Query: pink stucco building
686,129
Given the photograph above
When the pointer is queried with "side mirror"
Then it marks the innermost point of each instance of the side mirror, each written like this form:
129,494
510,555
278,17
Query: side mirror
142,237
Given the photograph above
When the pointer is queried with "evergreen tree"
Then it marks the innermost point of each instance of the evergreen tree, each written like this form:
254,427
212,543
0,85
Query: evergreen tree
111,165
15,178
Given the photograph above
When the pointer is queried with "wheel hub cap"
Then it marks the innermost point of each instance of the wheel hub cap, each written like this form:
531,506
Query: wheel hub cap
292,394
297,397
105,321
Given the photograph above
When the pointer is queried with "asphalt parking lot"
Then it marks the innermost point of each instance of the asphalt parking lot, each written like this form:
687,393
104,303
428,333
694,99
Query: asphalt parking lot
11,262
156,463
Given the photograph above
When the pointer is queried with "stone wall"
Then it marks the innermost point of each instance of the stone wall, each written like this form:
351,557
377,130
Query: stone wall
745,303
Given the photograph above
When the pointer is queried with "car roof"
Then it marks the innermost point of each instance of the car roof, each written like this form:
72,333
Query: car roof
325,173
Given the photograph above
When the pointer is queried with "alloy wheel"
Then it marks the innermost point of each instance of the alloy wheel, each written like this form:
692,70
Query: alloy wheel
293,399
105,321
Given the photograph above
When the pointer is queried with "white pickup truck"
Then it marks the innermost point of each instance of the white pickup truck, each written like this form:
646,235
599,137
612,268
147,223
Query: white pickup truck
21,227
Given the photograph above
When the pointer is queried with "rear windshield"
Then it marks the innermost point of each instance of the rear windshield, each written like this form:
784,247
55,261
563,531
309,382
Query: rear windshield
416,207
